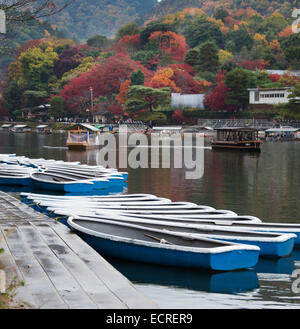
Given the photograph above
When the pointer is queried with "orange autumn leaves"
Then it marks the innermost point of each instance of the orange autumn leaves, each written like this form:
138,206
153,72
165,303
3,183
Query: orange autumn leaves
162,78
175,78
170,43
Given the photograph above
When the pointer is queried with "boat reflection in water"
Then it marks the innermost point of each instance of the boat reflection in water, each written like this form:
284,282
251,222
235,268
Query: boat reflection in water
283,265
200,280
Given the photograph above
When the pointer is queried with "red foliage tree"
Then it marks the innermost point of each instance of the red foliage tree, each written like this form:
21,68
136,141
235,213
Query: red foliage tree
128,43
215,101
105,79
178,116
255,65
153,63
68,60
186,82
171,43
115,108
122,96
275,77
184,67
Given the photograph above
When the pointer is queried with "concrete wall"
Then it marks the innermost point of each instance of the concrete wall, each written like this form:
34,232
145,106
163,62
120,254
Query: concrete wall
187,101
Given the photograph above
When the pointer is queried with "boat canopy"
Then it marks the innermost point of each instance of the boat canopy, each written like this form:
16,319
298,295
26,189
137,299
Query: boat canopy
41,126
100,126
85,127
6,126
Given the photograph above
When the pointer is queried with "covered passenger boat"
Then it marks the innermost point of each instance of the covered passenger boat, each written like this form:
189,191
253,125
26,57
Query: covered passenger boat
237,138
83,136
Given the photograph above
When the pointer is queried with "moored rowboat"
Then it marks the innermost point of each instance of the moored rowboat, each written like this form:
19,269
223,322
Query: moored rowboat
52,183
133,242
270,244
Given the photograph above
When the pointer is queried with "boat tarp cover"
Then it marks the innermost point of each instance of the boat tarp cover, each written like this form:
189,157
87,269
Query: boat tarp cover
84,126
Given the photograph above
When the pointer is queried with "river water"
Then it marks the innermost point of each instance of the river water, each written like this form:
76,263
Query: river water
266,185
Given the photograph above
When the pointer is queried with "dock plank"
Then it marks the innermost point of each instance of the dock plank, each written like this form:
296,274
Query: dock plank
66,285
58,268
113,279
97,291
44,293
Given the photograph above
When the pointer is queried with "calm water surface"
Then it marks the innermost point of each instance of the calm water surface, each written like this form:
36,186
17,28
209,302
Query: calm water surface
265,185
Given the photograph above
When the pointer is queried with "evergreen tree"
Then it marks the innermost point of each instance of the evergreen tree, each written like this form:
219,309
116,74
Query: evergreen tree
237,83
208,57
137,78
141,98
192,57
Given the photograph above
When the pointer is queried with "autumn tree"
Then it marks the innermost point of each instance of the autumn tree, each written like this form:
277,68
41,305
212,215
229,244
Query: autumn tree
170,43
105,79
122,96
162,78
146,98
69,59
127,29
153,27
215,101
37,66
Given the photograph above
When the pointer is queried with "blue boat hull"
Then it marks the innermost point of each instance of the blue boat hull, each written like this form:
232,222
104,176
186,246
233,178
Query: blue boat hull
270,249
15,181
100,185
226,261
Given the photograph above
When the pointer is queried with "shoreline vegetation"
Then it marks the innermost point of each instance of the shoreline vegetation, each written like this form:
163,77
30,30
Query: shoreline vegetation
216,52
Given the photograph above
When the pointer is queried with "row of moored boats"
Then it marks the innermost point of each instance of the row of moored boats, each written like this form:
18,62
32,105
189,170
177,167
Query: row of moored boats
147,228
57,176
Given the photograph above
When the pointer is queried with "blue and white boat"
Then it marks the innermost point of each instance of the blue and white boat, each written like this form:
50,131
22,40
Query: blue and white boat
140,244
270,244
17,180
14,175
54,183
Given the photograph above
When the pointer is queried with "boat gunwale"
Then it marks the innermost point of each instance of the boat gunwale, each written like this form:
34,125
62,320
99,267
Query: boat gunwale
88,182
227,246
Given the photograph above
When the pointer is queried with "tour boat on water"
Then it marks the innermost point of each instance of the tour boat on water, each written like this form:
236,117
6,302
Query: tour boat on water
237,138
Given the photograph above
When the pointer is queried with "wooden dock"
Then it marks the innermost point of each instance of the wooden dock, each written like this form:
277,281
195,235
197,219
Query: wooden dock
46,266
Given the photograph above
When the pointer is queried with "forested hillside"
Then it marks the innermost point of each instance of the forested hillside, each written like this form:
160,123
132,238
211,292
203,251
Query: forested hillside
132,74
85,18
263,7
